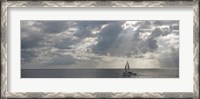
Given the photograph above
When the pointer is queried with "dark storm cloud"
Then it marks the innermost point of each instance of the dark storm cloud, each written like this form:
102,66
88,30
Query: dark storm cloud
64,43
31,41
165,22
52,26
175,27
130,42
36,35
158,32
149,45
27,55
84,28
83,32
93,24
108,37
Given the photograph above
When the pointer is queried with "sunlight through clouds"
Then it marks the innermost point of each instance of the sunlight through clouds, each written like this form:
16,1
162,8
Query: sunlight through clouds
99,44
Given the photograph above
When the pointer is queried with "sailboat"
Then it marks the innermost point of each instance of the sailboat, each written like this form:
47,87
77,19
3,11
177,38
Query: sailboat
127,72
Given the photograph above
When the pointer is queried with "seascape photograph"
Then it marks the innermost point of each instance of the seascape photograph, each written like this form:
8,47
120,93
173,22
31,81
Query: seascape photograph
99,48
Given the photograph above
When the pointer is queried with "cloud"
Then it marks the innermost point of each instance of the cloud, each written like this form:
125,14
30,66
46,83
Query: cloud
85,28
91,24
124,42
169,51
75,44
169,59
107,37
52,26
64,43
32,41
27,56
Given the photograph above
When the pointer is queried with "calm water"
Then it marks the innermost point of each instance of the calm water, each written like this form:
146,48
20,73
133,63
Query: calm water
97,73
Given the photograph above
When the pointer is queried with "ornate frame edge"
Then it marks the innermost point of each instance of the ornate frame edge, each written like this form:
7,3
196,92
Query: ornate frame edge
196,49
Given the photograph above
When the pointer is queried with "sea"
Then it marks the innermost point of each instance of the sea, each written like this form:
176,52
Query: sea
98,73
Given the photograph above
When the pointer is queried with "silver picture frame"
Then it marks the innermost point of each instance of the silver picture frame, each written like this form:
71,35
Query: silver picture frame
4,49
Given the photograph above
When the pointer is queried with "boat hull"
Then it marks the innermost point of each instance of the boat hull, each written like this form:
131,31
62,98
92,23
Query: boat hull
129,74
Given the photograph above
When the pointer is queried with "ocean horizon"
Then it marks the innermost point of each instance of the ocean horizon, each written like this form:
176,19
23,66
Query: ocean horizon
99,73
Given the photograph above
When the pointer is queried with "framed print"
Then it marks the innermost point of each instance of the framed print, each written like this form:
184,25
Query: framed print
99,49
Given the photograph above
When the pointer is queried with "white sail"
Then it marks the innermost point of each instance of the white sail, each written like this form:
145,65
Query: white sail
127,68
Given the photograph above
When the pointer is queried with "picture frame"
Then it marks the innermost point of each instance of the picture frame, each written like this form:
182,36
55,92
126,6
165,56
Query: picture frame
4,49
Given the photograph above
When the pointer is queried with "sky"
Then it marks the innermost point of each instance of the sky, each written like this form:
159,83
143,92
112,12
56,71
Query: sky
48,44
